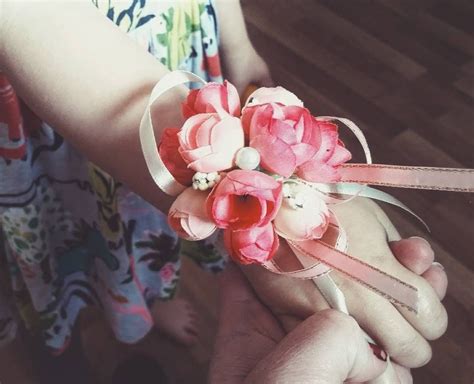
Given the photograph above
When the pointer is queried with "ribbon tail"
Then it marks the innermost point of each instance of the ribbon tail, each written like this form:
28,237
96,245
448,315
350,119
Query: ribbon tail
441,179
388,286
353,189
331,293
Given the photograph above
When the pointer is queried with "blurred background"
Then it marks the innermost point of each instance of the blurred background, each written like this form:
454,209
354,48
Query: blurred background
403,70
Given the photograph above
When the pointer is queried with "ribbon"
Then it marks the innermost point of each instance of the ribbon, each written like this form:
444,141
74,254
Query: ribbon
319,257
439,179
161,176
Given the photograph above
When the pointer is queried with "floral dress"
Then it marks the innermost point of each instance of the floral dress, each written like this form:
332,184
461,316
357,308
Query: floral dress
70,235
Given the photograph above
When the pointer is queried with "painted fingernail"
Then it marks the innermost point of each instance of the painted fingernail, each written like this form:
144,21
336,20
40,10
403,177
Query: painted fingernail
378,352
435,263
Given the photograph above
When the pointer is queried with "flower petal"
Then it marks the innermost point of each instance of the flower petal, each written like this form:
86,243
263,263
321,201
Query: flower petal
276,156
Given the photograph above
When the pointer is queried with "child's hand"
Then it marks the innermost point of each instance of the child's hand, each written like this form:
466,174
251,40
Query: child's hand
401,333
244,66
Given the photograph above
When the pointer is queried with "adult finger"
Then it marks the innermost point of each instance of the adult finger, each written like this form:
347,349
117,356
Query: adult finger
415,253
436,276
247,330
328,347
383,322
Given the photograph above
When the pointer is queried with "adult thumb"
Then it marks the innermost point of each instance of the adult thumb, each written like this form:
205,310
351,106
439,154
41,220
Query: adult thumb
328,347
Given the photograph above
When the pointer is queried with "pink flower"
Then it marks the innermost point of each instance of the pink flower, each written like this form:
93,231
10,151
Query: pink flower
209,141
211,98
302,216
255,245
172,159
188,217
167,272
276,95
244,200
285,136
323,166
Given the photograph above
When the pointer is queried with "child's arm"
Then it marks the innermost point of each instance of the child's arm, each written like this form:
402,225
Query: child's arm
89,81
242,64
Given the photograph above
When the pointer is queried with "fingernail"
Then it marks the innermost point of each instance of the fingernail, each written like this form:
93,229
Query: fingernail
422,239
378,352
435,263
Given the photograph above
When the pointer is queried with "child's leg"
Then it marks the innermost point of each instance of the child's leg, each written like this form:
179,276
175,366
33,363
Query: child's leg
176,318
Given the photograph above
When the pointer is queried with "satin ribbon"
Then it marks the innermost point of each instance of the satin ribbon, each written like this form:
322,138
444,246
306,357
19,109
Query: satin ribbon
161,176
319,257
439,179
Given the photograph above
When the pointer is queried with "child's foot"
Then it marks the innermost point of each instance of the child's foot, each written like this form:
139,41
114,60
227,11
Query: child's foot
177,319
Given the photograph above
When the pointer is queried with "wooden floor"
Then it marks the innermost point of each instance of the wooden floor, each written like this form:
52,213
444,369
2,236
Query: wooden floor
404,71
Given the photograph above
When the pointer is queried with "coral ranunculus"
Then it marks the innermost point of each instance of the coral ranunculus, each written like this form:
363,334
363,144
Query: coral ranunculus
211,98
174,162
188,216
244,200
209,141
255,245
285,137
323,166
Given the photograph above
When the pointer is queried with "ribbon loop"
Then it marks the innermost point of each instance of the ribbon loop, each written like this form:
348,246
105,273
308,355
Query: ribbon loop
161,176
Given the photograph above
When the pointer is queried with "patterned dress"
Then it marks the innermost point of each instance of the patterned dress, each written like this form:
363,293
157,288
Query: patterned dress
72,236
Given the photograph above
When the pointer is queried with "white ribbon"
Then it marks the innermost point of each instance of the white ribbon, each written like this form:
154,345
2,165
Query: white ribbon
161,176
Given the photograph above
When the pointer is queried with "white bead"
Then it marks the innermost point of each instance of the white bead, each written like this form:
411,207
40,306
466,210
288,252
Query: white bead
202,187
247,158
211,183
195,186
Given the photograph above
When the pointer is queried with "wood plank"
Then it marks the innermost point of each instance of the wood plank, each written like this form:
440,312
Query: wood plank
460,15
326,83
446,133
314,51
435,55
466,84
318,13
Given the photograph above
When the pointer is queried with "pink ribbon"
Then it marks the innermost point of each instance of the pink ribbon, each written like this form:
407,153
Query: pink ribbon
440,179
318,257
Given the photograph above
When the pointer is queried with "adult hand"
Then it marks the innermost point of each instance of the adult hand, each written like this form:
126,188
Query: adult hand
251,346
